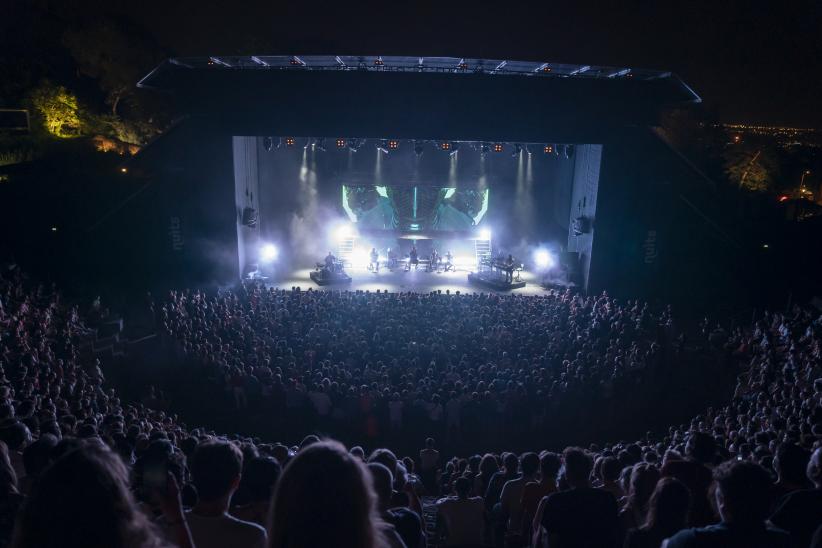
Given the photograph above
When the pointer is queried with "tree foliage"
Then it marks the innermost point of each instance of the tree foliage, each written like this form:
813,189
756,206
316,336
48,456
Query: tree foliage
104,51
57,109
755,169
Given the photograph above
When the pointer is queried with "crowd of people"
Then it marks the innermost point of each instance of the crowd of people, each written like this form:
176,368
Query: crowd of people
486,368
81,467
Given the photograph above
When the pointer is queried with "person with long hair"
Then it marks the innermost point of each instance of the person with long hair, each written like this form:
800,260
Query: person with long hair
325,498
83,501
667,515
643,481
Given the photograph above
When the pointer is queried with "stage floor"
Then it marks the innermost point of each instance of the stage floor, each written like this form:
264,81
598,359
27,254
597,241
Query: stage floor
418,281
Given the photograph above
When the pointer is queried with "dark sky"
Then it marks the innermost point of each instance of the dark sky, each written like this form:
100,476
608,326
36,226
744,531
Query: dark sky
751,61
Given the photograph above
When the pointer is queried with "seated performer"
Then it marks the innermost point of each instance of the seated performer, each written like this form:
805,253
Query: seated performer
375,260
434,260
413,257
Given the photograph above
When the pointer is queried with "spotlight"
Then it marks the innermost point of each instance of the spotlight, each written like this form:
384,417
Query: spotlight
484,234
569,151
549,149
445,145
379,62
319,144
517,150
340,143
354,145
455,147
268,144
382,146
419,147
543,259
485,148
123,170
308,143
289,141
393,144
343,232
528,149
498,147
269,253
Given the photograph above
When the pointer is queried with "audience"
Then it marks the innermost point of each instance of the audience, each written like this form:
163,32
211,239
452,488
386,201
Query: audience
81,467
325,498
743,498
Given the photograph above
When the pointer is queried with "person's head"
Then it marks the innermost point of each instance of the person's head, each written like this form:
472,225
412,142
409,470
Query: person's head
38,455
549,465
743,491
83,500
385,457
577,465
643,481
668,508
383,482
462,487
429,443
529,464
701,447
260,475
488,466
216,466
790,463
510,462
609,469
324,482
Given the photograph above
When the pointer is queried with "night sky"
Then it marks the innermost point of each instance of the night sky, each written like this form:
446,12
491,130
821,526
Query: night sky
751,61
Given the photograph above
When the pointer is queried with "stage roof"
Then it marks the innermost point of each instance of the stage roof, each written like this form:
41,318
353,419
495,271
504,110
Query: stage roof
416,97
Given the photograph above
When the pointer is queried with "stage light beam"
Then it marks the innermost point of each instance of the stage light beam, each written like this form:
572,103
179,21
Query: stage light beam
269,253
543,259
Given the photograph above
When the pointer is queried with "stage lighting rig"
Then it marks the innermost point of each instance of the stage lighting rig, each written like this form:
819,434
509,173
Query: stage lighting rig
548,149
517,150
354,145
382,146
268,144
485,148
340,143
445,145
419,148
455,147
290,141
393,144
319,144
498,147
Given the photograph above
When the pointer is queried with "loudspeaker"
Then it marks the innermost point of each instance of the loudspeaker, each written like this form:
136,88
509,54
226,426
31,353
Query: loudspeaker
249,217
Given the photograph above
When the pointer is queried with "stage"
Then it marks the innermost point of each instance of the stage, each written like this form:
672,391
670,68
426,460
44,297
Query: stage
417,281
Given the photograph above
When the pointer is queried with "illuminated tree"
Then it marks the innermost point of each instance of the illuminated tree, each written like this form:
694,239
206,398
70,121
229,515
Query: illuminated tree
752,169
58,109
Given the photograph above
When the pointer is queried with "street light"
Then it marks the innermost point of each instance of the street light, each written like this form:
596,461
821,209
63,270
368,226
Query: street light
802,181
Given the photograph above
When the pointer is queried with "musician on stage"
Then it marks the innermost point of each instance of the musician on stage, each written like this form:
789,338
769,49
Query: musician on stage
375,260
449,261
509,269
330,259
413,257
434,259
